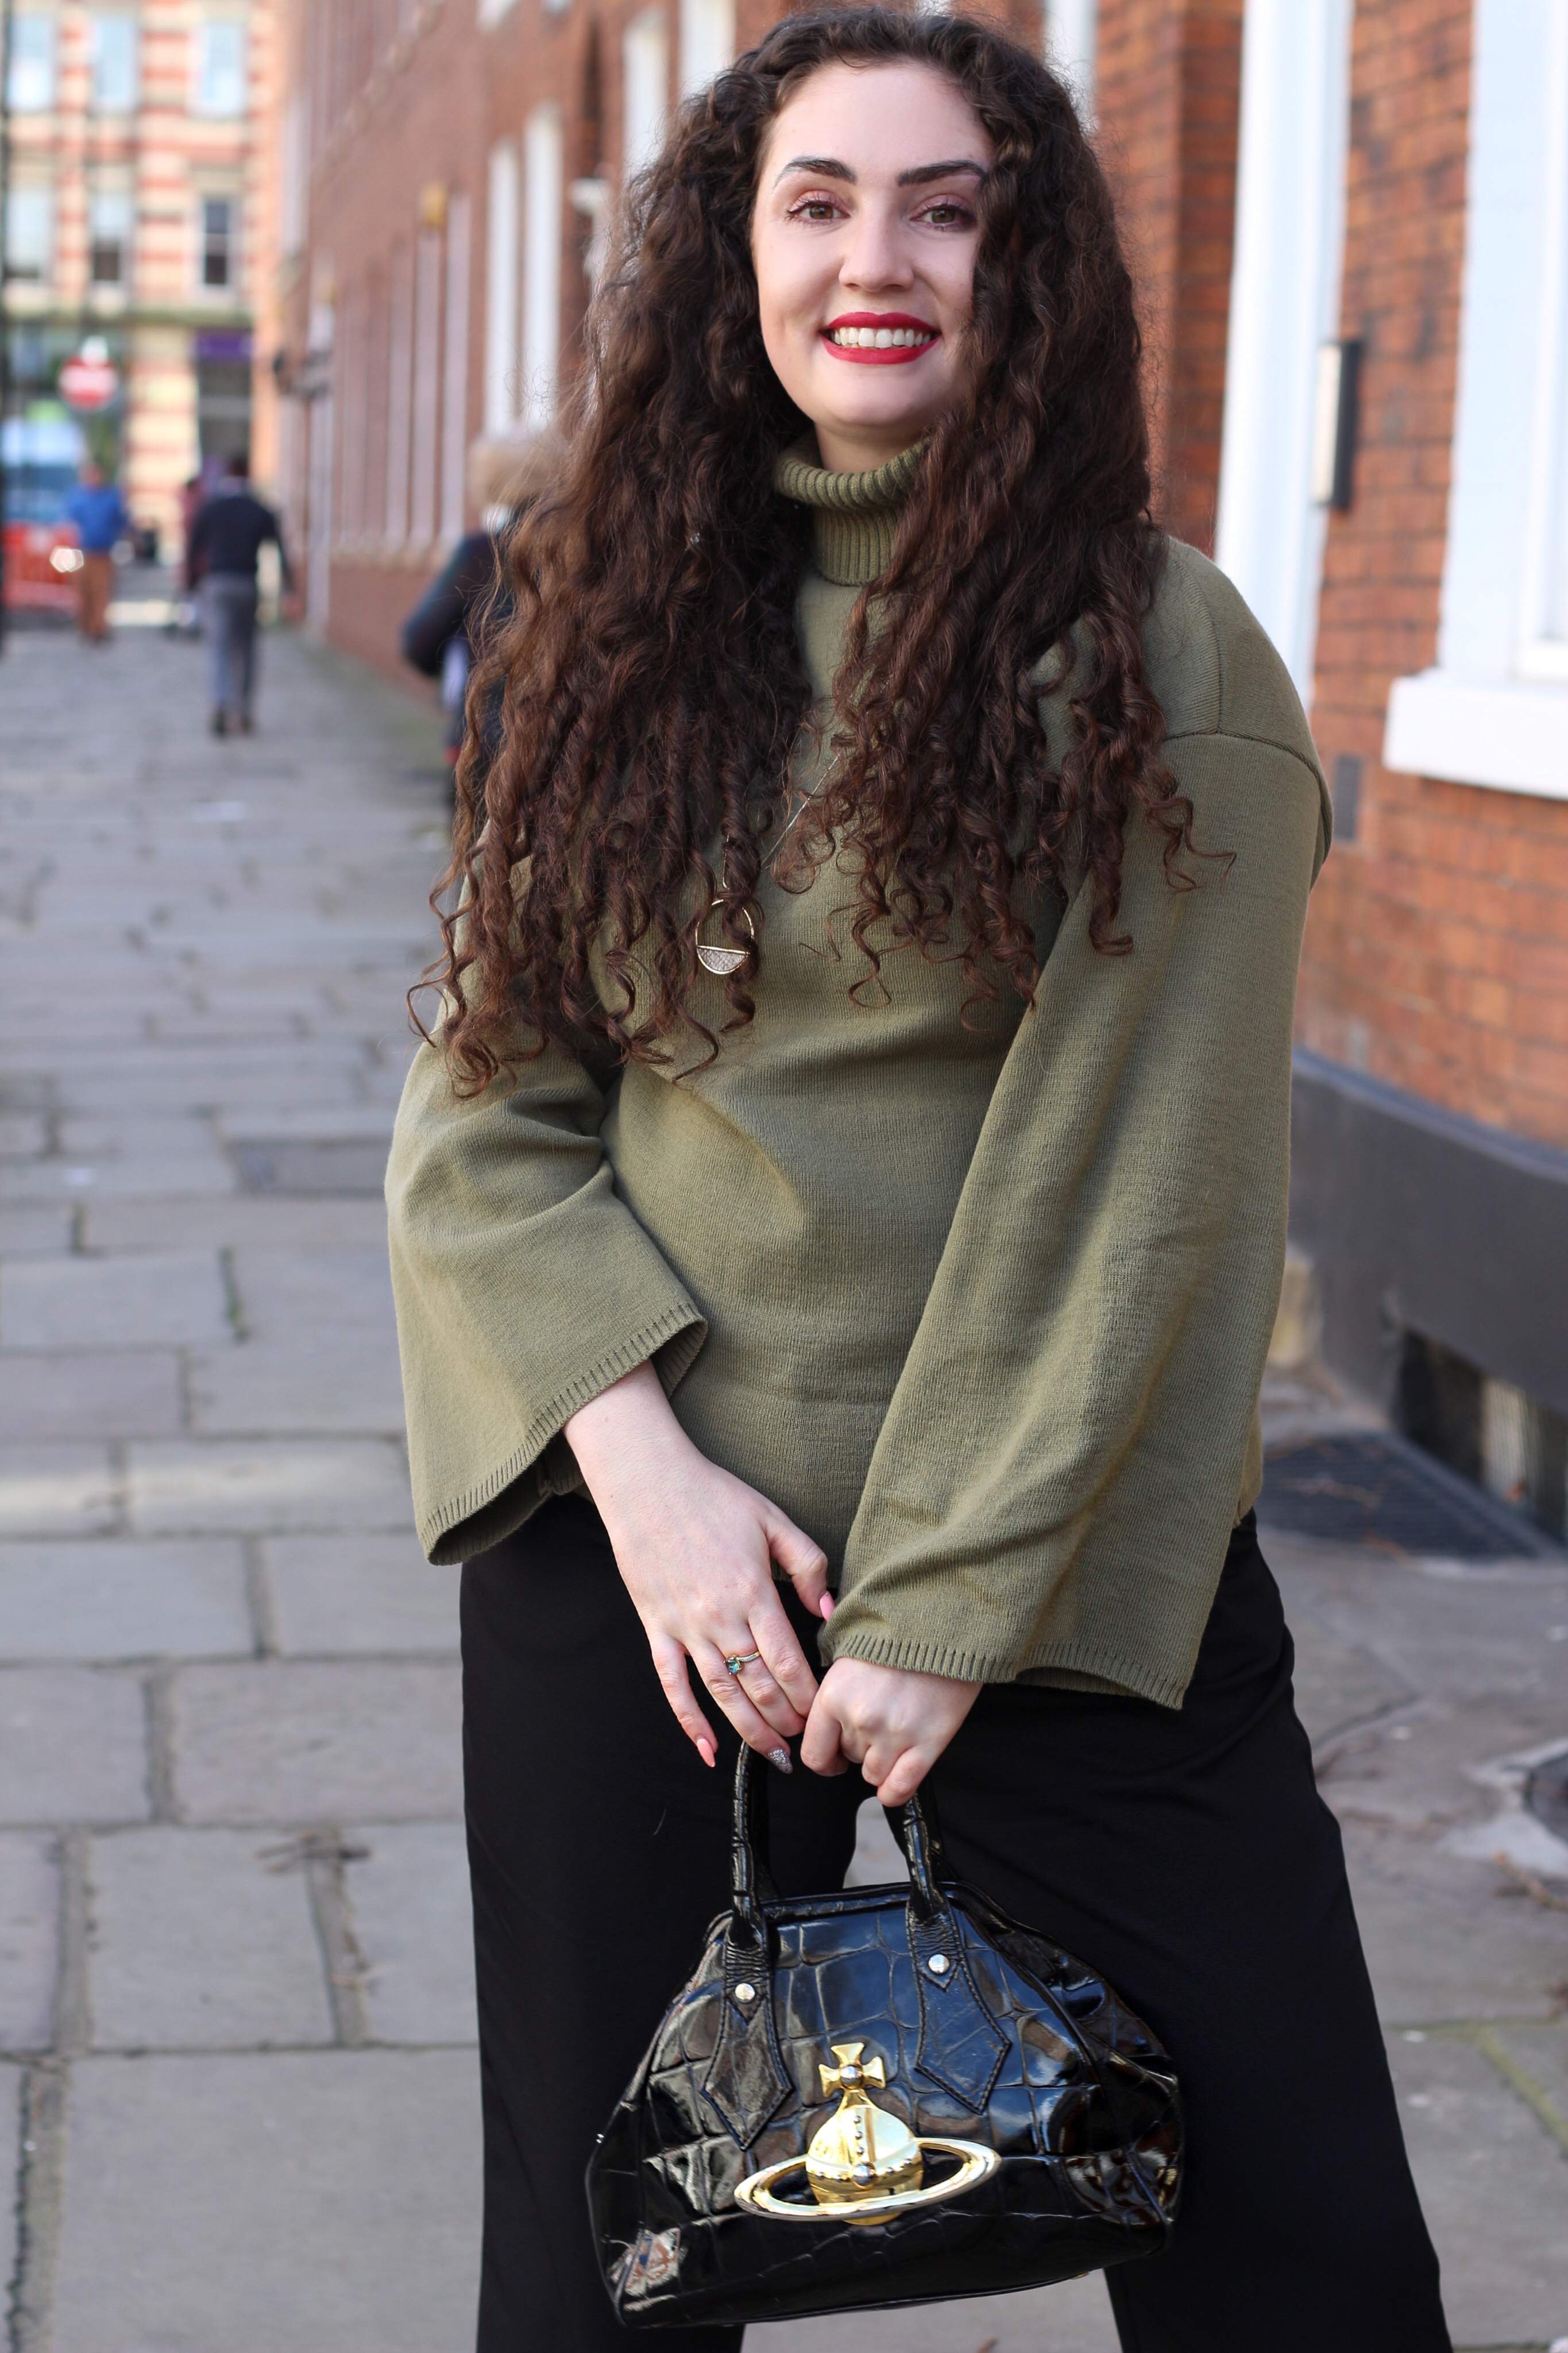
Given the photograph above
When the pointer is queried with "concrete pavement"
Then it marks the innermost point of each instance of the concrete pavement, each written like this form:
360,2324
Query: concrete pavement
237,2094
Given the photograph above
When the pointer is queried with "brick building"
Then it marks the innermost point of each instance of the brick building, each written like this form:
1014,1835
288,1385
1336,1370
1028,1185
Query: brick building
1349,222
137,217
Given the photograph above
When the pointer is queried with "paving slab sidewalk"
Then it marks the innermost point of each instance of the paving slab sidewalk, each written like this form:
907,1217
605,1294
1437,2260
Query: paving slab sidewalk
237,2081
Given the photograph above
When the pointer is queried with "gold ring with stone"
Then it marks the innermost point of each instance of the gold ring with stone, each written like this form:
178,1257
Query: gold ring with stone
740,1659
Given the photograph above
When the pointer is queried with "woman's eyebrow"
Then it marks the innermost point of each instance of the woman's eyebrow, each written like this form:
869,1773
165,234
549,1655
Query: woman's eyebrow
924,172
821,167
827,168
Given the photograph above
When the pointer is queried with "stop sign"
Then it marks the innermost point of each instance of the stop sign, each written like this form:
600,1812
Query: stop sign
89,384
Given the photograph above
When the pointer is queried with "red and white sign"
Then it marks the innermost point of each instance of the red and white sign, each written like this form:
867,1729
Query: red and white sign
89,384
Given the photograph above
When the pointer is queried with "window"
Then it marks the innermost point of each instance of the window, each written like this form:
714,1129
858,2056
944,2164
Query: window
108,223
543,150
1070,30
220,67
31,235
1493,710
501,301
113,64
707,42
1284,305
217,241
644,80
31,81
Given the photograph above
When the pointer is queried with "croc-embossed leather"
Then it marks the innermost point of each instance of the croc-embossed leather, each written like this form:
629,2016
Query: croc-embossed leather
1013,2043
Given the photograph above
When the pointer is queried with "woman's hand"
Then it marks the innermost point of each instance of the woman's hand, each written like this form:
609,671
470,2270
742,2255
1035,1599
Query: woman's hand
893,1723
695,1548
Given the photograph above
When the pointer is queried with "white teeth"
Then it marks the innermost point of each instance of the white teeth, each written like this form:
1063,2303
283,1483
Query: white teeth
882,339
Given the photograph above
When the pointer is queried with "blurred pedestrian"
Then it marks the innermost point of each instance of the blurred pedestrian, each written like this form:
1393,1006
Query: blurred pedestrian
469,604
837,1225
102,518
230,530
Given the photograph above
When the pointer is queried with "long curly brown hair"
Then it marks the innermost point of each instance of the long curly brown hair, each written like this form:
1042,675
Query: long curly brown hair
652,688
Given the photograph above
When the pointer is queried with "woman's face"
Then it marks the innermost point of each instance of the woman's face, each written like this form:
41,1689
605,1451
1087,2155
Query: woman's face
864,239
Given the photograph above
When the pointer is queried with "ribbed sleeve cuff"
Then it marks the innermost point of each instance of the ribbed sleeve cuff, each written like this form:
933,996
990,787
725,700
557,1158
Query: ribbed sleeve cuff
1102,1666
489,1510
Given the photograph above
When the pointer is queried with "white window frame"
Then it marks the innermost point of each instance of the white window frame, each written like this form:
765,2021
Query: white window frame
199,61
124,201
1070,36
1284,304
544,218
706,43
230,292
502,209
1493,710
645,90
96,21
455,366
48,212
49,85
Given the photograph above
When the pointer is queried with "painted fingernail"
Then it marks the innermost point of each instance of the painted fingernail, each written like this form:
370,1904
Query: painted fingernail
781,1757
827,1605
706,1750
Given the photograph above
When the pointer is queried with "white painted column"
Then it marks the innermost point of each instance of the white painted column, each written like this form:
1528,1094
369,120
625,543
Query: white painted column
427,384
707,42
399,368
1284,302
544,167
455,377
319,557
645,90
1071,30
500,289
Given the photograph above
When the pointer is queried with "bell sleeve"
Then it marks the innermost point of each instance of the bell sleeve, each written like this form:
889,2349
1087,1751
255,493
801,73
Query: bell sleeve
523,1287
1075,1431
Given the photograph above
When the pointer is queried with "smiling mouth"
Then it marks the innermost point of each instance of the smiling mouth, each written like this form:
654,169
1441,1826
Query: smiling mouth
885,341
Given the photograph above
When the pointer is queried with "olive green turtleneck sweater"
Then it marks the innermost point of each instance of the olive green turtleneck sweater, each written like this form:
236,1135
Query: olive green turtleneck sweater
984,1309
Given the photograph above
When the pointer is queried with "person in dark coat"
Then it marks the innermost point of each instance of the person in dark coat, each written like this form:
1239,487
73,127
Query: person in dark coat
230,530
469,602
441,635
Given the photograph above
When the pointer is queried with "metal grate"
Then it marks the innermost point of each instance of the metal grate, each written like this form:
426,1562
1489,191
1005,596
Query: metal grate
313,1169
1373,1488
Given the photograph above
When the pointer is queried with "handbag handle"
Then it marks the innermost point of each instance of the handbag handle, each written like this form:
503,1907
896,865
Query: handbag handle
961,2046
751,1884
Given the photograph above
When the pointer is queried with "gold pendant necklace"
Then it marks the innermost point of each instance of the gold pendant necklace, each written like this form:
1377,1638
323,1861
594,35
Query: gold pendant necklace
723,961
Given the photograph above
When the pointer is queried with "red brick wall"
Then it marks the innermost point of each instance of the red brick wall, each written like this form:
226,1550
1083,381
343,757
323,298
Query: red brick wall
1438,944
1169,96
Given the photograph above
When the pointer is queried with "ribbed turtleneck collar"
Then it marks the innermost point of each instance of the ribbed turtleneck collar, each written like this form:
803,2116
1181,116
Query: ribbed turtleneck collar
853,517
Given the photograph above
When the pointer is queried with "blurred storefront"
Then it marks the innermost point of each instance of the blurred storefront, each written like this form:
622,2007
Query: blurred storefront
134,225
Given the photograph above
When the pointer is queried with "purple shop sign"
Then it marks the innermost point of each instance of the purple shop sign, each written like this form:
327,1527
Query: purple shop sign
223,344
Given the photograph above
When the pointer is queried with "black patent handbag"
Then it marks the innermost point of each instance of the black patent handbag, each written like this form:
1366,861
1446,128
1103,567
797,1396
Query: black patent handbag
884,2095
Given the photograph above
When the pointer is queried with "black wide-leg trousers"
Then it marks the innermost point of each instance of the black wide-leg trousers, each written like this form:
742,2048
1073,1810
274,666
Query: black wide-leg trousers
1184,1853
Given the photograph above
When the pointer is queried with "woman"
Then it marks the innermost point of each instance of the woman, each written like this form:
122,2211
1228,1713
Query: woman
839,1221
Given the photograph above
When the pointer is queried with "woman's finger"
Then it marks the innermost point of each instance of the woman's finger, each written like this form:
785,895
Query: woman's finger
786,1662
822,1744
803,1562
730,1694
770,1704
670,1665
904,1776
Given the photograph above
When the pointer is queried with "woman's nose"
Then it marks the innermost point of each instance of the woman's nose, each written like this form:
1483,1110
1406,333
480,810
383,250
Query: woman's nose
876,255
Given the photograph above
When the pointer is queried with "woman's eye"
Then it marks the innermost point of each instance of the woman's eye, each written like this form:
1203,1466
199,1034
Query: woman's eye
946,215
814,208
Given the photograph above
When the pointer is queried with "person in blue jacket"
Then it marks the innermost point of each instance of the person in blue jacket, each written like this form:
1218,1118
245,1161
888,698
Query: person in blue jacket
101,519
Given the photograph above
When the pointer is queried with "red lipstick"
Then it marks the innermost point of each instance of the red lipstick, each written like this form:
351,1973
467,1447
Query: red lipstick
889,355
